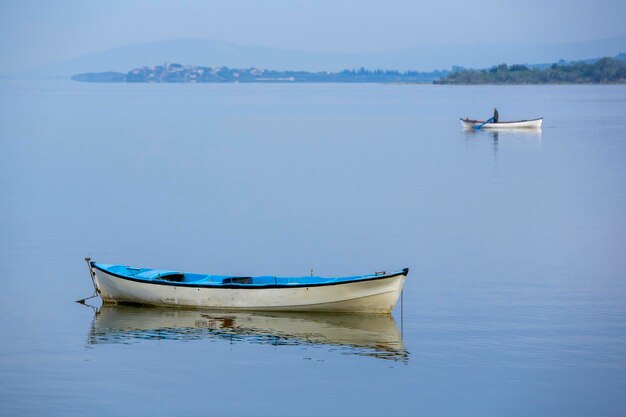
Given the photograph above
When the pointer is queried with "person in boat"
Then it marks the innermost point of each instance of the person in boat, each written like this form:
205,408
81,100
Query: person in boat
495,115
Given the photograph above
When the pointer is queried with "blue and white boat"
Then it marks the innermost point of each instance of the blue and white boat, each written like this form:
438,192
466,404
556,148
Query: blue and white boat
373,293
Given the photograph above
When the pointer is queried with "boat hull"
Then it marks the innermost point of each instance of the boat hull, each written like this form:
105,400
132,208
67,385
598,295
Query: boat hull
378,295
520,124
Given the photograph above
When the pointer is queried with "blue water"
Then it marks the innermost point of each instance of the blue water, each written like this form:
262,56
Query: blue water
516,300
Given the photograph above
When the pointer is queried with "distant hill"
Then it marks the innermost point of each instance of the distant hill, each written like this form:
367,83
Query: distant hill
619,57
423,58
191,51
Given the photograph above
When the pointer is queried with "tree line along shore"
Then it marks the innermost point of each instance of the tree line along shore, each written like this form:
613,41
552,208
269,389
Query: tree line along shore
601,71
177,73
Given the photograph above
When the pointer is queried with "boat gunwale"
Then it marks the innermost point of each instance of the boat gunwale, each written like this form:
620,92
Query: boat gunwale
403,272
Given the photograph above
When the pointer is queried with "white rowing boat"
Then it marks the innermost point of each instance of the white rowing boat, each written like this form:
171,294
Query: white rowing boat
517,124
373,293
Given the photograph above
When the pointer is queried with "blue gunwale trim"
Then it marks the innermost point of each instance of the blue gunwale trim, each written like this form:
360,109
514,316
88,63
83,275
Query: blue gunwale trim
404,272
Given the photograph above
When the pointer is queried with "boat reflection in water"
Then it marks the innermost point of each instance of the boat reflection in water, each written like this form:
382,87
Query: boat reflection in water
359,334
525,137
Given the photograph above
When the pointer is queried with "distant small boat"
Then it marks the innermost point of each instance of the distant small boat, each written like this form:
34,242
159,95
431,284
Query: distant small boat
517,124
374,293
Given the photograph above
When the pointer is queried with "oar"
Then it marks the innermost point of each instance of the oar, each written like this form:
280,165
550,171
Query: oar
481,125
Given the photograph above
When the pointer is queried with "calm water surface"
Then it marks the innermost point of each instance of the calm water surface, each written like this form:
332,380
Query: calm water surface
516,300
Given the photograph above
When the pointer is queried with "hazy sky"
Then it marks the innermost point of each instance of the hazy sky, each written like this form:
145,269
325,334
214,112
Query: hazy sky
34,33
